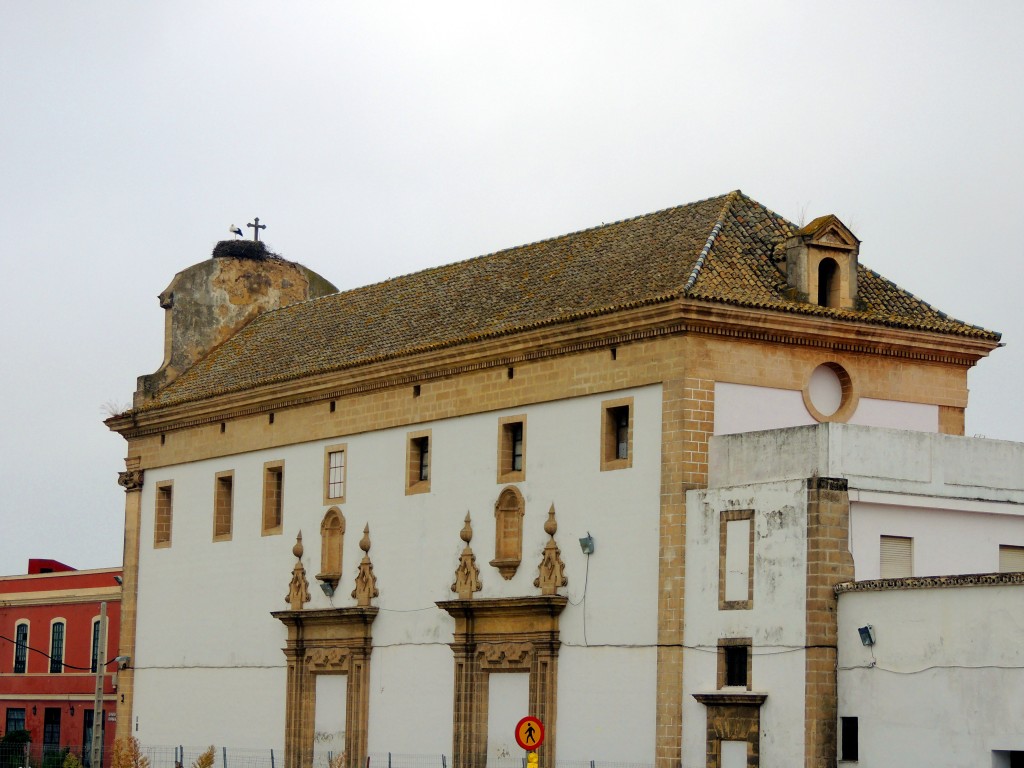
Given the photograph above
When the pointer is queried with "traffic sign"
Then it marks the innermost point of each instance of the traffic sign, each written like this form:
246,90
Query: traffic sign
529,733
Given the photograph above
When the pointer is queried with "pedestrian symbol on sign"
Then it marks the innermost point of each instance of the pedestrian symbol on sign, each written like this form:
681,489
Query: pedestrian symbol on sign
529,733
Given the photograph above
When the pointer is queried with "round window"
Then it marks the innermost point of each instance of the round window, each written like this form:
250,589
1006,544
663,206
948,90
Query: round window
829,393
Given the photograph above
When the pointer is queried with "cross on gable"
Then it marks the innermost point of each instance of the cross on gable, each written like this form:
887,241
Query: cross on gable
256,228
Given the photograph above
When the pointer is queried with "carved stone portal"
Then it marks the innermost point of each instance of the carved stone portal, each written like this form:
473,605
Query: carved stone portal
499,636
336,641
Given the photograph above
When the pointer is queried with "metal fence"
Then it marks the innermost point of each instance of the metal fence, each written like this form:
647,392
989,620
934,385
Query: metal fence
44,756
38,756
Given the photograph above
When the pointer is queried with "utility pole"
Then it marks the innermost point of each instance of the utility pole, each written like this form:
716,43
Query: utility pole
97,703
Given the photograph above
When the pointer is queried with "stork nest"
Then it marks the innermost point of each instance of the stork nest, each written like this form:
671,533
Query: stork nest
243,249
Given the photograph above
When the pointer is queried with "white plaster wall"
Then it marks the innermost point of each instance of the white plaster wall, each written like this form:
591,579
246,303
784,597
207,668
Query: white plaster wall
747,408
946,541
945,690
873,459
892,414
776,623
601,693
195,705
205,606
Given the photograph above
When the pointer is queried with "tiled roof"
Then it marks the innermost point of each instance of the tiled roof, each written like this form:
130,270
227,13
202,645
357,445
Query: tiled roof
722,249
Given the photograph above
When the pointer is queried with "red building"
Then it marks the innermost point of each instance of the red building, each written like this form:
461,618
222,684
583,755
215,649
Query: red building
49,633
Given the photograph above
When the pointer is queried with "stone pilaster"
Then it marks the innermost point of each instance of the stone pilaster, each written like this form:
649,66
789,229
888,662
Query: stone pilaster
829,563
131,480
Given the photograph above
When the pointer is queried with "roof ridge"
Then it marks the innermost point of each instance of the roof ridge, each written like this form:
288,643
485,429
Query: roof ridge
530,244
719,223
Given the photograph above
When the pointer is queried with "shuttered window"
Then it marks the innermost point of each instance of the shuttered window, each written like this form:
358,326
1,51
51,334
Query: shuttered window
1011,559
897,557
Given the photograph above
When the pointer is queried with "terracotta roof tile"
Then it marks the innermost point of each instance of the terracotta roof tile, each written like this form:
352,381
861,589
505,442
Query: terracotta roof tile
637,261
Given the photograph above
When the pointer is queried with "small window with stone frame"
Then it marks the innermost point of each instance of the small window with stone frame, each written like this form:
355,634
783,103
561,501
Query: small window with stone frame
273,498
418,462
163,515
335,473
512,449
223,505
734,662
617,434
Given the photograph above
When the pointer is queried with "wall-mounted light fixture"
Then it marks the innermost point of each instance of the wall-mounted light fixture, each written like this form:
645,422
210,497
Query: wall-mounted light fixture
587,544
122,661
33,709
327,587
867,635
119,580
71,709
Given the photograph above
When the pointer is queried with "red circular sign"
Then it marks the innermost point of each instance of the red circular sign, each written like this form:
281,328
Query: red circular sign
529,733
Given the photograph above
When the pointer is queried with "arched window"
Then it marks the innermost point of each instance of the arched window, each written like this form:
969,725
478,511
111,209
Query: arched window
21,648
828,283
508,532
332,537
96,650
57,646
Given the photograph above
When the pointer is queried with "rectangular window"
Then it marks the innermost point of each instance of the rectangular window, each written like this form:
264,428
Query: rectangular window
21,649
335,467
51,728
736,560
849,739
418,463
223,505
15,719
57,647
617,434
273,497
734,662
164,514
896,557
736,665
1011,559
95,645
511,449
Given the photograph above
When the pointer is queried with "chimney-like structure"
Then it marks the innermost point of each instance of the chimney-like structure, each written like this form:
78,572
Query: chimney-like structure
209,302
821,263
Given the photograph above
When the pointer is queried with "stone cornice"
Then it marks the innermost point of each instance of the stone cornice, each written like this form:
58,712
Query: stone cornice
841,335
663,319
932,582
68,596
731,699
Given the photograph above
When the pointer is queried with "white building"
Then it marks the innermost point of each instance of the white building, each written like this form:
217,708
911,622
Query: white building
443,441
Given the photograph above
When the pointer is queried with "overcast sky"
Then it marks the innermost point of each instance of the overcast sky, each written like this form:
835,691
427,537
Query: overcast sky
375,139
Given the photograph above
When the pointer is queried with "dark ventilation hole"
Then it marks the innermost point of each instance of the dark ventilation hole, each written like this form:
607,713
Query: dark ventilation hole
223,427
163,439
271,417
615,353
511,372
415,390
333,404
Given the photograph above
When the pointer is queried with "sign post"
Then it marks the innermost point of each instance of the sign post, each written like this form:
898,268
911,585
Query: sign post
529,736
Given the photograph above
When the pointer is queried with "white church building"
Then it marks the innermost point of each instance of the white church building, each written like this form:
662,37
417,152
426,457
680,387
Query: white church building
690,488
